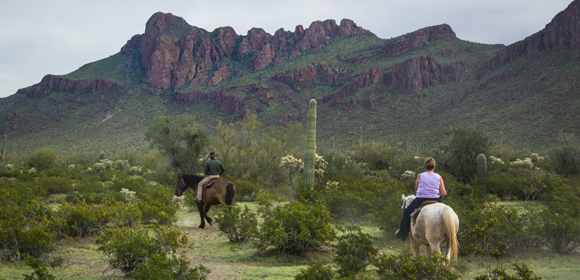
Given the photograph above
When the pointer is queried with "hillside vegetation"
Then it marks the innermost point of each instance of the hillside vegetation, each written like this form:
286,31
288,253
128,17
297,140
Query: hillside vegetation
410,88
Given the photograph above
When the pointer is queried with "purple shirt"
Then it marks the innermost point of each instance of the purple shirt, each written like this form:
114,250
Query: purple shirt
428,186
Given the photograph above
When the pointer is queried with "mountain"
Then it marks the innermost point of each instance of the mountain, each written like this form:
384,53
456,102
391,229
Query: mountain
411,88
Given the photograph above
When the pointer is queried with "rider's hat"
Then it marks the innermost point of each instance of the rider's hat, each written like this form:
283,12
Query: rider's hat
212,155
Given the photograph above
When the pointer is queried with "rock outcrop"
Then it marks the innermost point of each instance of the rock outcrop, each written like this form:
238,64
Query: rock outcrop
562,32
222,101
415,74
175,54
417,39
306,78
52,83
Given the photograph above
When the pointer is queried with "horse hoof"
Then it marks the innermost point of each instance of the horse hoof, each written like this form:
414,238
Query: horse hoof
201,227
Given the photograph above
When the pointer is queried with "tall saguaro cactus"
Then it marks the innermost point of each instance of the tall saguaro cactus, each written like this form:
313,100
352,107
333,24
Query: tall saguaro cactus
310,152
482,172
3,152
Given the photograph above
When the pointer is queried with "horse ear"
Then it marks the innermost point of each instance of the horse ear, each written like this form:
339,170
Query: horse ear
403,197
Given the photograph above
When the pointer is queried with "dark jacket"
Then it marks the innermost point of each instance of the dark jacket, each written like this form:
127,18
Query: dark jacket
214,167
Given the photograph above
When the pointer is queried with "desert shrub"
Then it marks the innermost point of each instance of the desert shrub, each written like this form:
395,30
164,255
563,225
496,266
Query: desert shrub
405,266
84,219
340,164
160,267
156,204
238,225
160,212
54,185
40,270
315,271
354,251
293,227
246,190
28,228
489,232
566,160
560,230
376,155
126,248
21,238
43,158
523,272
369,198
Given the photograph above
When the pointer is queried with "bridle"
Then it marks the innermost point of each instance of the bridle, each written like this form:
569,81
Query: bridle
181,187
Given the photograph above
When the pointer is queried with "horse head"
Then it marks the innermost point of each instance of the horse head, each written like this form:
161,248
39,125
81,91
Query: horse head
181,186
407,200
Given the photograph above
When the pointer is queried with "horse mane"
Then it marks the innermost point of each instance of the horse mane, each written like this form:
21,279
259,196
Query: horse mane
189,177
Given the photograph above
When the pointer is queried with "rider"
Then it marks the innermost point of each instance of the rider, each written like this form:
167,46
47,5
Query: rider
213,169
429,186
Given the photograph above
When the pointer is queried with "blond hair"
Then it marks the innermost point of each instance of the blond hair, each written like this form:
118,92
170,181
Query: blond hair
429,163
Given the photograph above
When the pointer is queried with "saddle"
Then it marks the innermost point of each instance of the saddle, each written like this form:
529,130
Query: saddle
208,185
417,210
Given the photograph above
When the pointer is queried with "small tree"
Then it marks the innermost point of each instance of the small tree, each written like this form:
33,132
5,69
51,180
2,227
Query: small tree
459,154
180,139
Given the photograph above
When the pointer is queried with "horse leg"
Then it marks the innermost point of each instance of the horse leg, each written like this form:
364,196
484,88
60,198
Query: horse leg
202,213
207,218
415,245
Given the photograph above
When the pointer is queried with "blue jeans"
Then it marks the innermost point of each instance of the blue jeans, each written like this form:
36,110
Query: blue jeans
405,226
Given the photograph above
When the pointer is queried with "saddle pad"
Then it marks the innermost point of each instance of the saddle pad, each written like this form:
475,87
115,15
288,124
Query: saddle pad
417,210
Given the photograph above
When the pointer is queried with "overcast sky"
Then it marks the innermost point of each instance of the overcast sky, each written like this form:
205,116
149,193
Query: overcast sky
39,37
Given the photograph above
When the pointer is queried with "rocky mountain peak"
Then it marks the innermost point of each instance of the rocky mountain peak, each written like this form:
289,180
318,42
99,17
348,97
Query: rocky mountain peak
562,32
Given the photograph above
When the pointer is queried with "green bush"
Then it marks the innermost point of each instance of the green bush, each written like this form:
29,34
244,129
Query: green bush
246,190
28,228
340,164
458,155
126,248
315,271
370,198
405,266
560,230
54,185
84,219
43,158
523,273
238,225
40,270
566,160
376,155
354,251
293,227
160,267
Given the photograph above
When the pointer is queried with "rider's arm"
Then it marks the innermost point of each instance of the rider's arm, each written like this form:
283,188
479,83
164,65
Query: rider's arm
417,182
442,190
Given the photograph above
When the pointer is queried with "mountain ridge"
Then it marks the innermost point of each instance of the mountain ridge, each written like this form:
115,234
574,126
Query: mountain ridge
385,86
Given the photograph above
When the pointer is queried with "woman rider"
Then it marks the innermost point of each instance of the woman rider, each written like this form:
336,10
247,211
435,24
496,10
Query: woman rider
429,186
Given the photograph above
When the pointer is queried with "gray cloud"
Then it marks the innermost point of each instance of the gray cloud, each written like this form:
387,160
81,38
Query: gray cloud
57,37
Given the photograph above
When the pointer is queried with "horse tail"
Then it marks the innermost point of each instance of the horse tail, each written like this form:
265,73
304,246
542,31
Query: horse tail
230,194
449,220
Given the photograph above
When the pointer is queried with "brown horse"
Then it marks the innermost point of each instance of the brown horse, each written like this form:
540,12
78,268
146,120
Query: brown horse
221,191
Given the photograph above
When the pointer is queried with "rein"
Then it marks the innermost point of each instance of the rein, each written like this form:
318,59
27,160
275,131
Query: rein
181,186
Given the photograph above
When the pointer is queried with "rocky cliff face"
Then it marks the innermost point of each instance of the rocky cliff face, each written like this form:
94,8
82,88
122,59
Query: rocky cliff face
175,54
52,83
562,32
417,39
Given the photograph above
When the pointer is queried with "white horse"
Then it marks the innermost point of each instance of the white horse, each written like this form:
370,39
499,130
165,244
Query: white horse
435,223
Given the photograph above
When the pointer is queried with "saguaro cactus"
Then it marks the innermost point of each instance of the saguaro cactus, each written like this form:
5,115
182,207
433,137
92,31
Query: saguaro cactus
3,152
310,152
482,172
